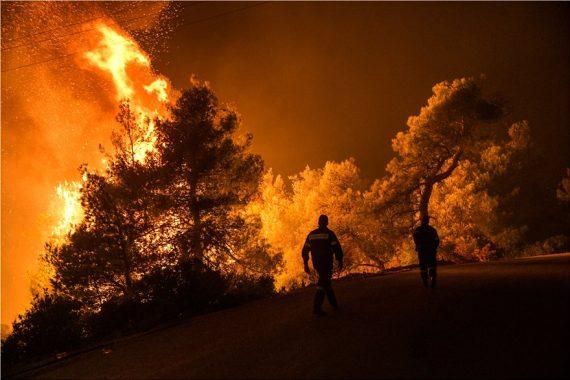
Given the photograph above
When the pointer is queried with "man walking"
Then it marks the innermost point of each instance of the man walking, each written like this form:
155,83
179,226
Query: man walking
323,244
427,242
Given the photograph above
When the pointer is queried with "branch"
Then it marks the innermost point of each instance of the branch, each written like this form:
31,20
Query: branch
456,158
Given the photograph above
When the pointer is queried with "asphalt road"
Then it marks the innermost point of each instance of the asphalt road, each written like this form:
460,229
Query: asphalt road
496,320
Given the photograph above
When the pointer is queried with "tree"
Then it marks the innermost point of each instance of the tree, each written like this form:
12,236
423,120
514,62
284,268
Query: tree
289,214
52,324
118,240
206,172
453,163
452,127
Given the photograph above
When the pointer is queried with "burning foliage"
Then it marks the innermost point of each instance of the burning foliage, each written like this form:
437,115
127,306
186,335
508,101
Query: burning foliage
66,67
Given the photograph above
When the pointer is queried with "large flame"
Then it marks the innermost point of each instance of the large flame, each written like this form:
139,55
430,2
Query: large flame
58,106
119,58
113,55
71,212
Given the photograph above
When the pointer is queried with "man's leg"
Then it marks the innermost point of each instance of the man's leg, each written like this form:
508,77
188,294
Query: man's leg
433,274
424,273
318,301
322,284
326,281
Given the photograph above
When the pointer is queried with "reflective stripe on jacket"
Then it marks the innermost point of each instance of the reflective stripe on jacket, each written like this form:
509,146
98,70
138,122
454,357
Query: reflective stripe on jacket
323,244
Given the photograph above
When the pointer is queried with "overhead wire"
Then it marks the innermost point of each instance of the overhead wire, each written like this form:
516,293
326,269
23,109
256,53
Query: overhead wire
54,38
181,25
122,10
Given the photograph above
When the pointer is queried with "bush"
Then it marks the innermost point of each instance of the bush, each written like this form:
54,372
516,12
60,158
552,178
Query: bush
51,325
189,288
553,244
55,323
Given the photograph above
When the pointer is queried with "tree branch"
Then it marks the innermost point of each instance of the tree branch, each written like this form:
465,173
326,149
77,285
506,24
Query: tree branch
456,158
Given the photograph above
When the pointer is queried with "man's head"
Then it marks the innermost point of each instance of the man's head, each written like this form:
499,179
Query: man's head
425,220
323,221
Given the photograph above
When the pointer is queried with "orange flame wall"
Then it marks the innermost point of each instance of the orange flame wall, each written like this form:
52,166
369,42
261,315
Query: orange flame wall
54,116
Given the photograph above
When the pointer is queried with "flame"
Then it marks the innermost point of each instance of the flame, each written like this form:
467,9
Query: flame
159,86
113,55
118,57
69,193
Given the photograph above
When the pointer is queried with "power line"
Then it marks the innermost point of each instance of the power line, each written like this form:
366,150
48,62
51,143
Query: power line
122,10
183,24
226,13
85,30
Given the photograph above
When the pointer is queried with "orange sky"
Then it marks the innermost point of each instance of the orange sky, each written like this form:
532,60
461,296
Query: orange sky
314,82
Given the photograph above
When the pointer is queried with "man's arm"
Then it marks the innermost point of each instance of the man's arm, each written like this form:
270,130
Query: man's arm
435,238
416,240
337,249
305,255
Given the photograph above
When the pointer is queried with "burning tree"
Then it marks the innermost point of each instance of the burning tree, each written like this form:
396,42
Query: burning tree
448,164
208,176
448,158
449,129
119,239
288,214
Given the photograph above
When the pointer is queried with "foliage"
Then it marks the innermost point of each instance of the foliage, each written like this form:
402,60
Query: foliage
52,324
118,240
451,159
162,234
287,215
206,173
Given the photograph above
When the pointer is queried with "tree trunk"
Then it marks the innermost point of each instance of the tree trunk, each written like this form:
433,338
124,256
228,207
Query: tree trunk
127,271
424,200
196,241
430,182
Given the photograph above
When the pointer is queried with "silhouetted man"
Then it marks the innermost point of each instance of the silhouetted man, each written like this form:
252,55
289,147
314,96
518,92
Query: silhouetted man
427,241
323,244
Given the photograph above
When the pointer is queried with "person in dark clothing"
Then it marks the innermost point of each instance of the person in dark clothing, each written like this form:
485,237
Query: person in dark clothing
322,243
427,242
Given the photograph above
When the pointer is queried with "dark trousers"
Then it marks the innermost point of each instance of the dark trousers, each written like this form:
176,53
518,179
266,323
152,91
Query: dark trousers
324,287
428,269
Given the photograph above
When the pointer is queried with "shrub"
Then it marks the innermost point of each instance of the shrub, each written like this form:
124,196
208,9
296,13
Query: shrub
51,325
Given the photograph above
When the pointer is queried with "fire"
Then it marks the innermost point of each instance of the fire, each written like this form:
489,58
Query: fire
71,211
159,86
118,57
113,55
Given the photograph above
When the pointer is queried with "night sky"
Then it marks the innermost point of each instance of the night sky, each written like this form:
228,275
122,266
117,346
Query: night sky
327,81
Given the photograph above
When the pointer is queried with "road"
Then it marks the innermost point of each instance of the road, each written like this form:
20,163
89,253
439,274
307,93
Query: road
494,320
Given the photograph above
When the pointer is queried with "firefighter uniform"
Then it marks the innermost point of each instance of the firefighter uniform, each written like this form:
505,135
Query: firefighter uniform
323,244
427,242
